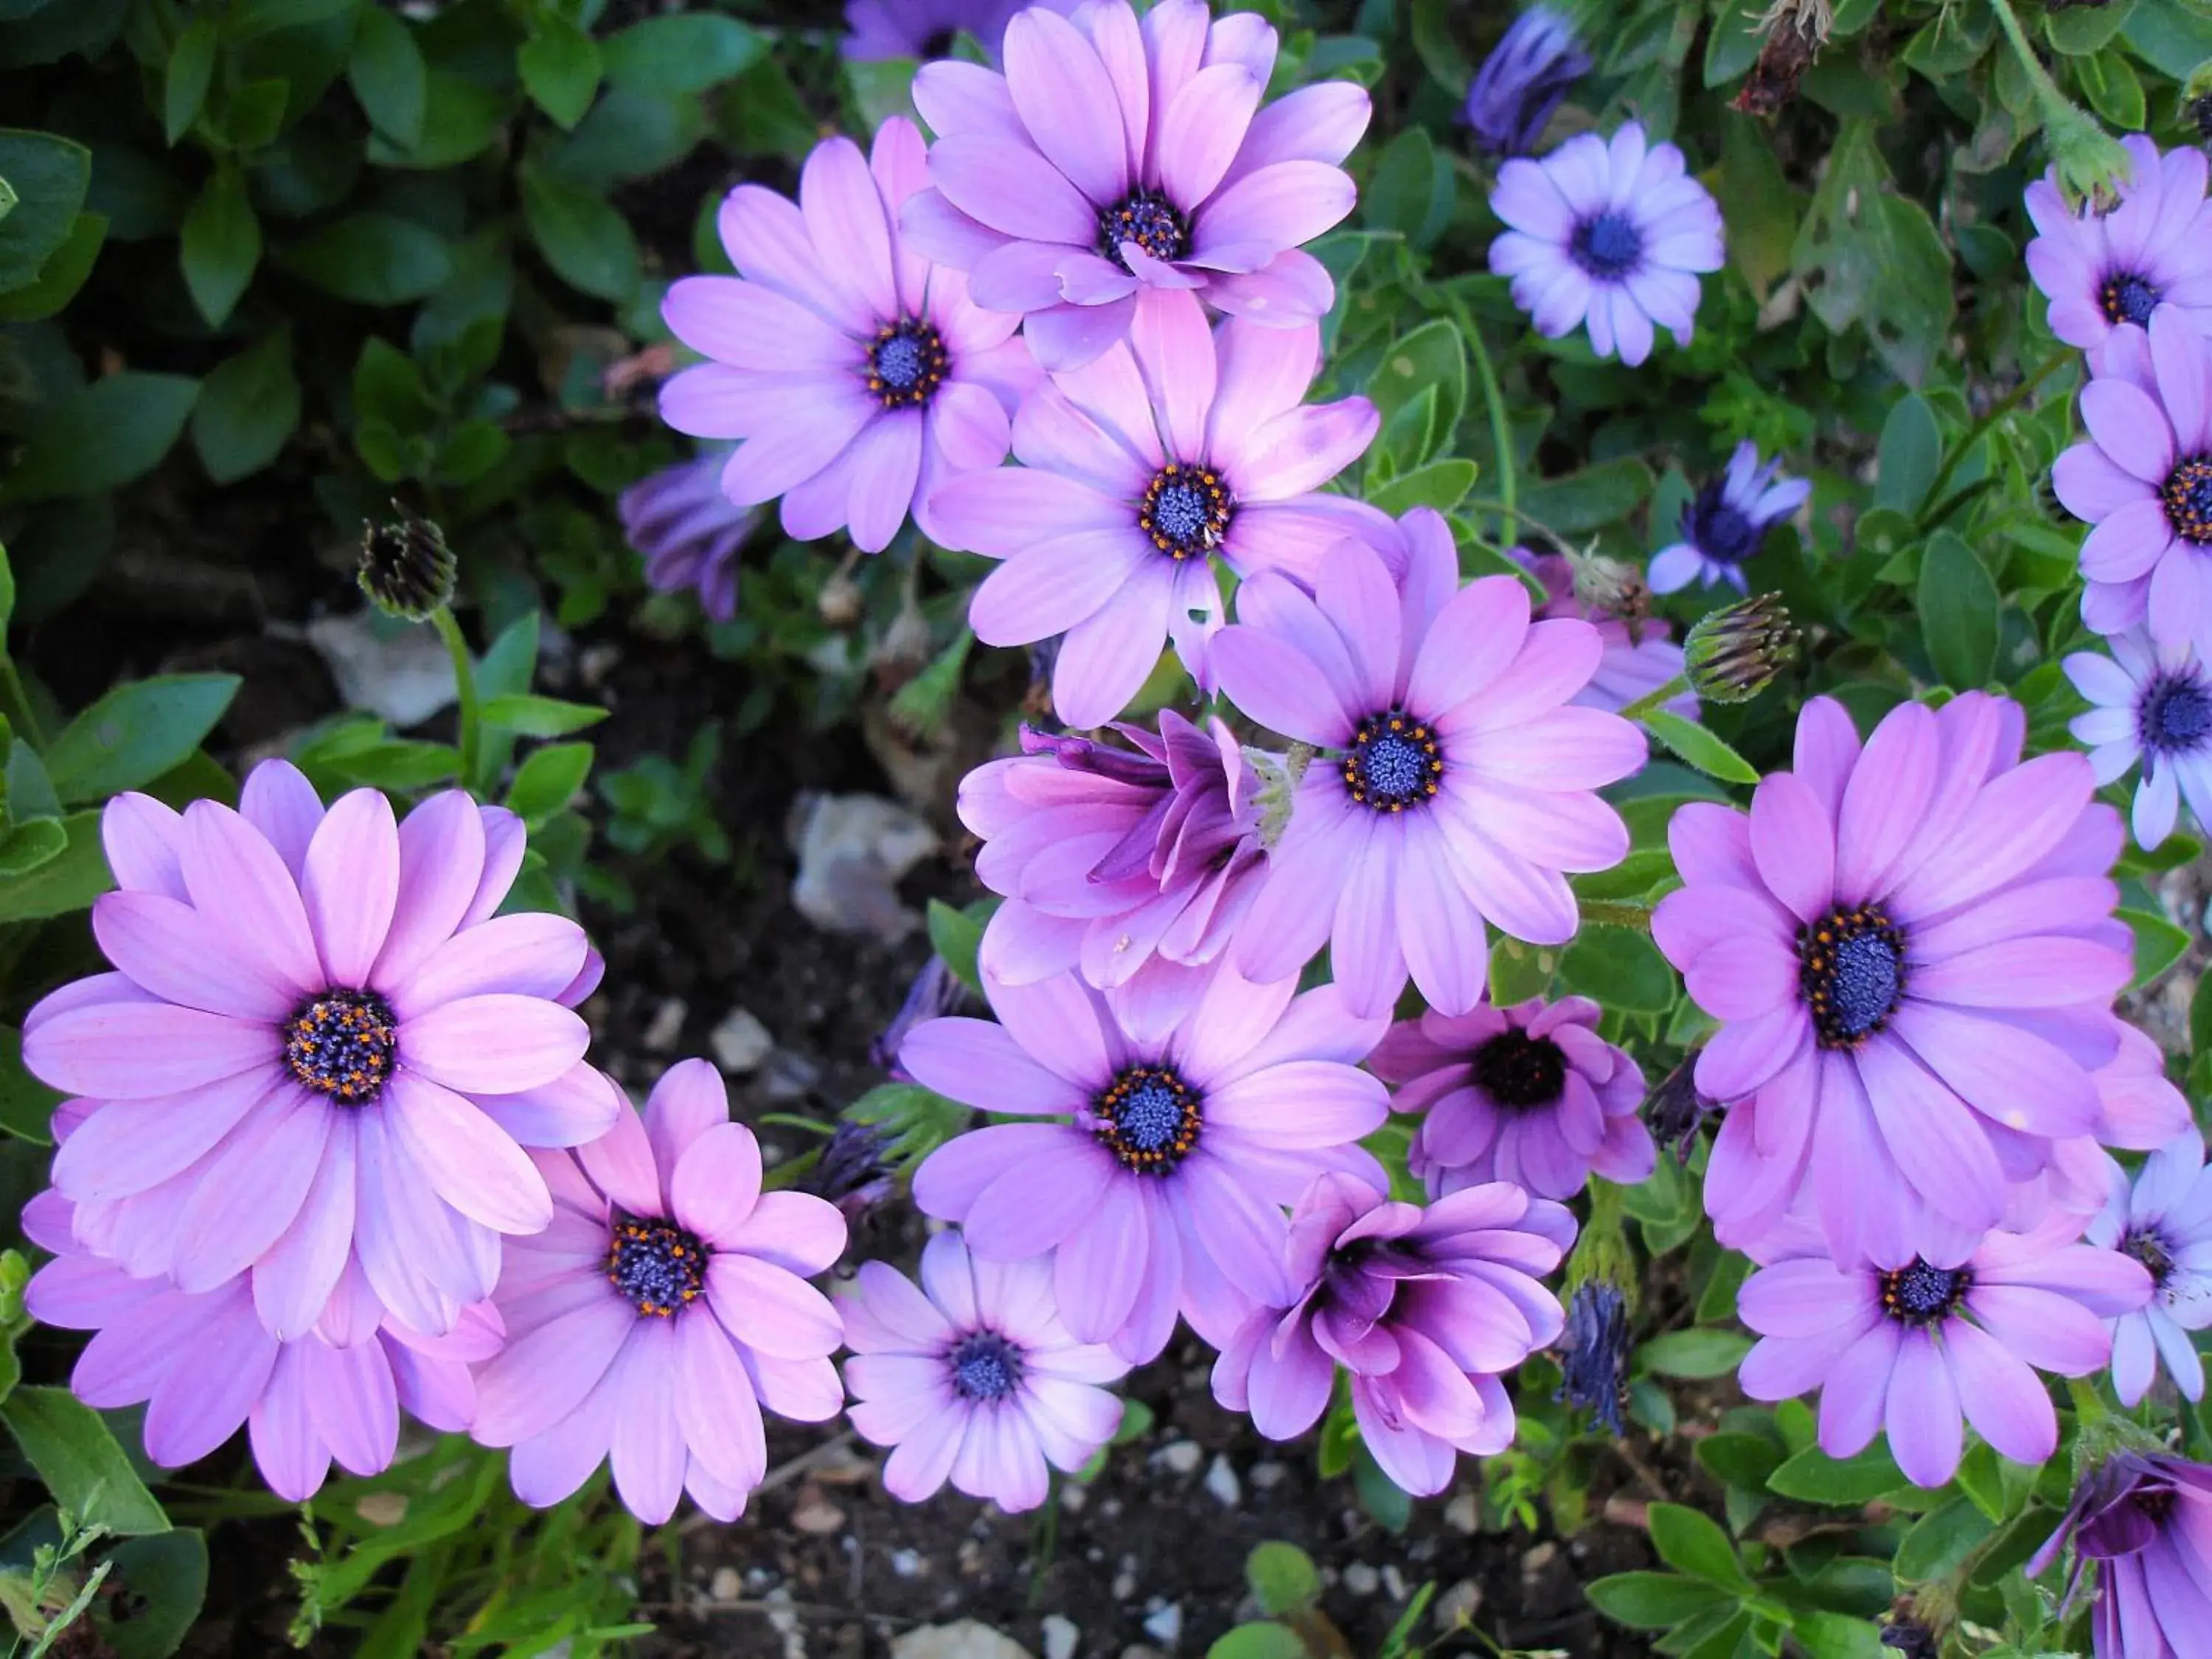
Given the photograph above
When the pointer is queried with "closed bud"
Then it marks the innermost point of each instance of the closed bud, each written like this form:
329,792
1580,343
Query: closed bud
1593,1353
840,601
1732,654
1675,1109
406,568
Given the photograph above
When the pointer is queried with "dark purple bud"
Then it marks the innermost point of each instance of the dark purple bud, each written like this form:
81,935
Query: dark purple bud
1676,1109
936,991
1593,1353
850,1173
1523,80
1910,1638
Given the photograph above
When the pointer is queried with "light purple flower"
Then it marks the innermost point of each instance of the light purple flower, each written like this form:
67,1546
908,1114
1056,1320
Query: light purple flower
1157,1166
320,1046
1727,521
876,29
1115,158
1136,469
2145,1522
1462,783
1637,659
2163,1221
1425,1306
204,1365
2144,481
2154,703
663,1308
1529,1094
1614,233
688,532
2103,269
1953,1332
1520,83
1912,953
860,376
973,1378
1120,862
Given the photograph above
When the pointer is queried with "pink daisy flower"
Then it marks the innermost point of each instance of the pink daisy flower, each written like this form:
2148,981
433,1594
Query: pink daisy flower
2103,271
1637,660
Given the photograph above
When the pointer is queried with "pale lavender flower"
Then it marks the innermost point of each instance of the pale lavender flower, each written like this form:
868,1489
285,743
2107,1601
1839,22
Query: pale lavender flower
1638,658
2145,1523
1727,521
2153,704
2164,1220
688,532
2106,269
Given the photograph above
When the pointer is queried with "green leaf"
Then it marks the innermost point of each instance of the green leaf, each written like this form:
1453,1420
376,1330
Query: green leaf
1697,1353
2108,80
690,52
1867,255
1740,1460
1699,746
919,1120
27,1105
248,405
2159,944
1816,1478
252,114
1941,1541
372,258
1911,455
1411,189
1440,484
1431,356
1619,967
1692,1542
61,276
159,1584
1836,1636
221,244
547,780
461,117
31,843
64,884
540,717
1258,1641
1959,605
69,1445
1651,1601
2077,31
586,242
135,732
49,176
1590,499
388,75
560,67
1282,1579
101,437
184,86
957,938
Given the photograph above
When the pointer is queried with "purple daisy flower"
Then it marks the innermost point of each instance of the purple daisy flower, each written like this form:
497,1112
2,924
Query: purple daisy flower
973,1378
1180,444
1615,232
203,1364
2164,1220
1156,1166
1463,782
688,532
1425,1306
2144,481
1727,521
320,1046
1523,80
876,29
1115,158
2154,703
860,376
1637,659
1119,862
1954,1331
1912,953
2102,269
665,1306
1529,1094
2145,1520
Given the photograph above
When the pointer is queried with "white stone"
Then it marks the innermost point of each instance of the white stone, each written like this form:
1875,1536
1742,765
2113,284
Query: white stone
851,851
1061,1637
965,1640
1462,1514
1181,1457
1221,1481
1457,1608
907,1563
725,1585
1394,1582
666,1025
1361,1579
740,1042
397,669
1165,1627
1266,1476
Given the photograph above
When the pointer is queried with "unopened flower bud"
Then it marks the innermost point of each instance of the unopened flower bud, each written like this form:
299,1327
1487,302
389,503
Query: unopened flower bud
1732,654
1675,1109
2089,161
1593,1353
850,1172
1522,81
406,568
1910,1639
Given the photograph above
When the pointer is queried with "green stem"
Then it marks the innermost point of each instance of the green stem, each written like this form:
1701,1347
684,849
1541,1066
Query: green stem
1651,700
16,703
2039,78
1998,410
1501,430
1500,505
464,682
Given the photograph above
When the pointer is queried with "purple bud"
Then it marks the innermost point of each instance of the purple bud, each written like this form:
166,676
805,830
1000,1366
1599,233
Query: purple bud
936,991
1523,82
850,1172
1676,1109
1593,1354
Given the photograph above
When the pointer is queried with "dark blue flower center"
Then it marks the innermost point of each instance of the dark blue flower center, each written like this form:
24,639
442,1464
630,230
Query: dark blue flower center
1186,510
2127,298
660,1268
1518,1070
985,1366
906,364
1149,1119
1920,1295
1148,218
2188,495
1607,244
2147,1246
1395,762
2175,714
341,1044
1719,529
1850,972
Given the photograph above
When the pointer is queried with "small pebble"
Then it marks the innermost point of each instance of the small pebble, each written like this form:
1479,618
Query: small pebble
666,1025
907,1563
1182,1458
1061,1637
818,1517
1462,1514
740,1042
1125,1586
1361,1579
383,1509
1533,1563
1073,1496
1458,1605
1165,1627
1268,1475
725,1585
1221,1481
790,1077
1394,1582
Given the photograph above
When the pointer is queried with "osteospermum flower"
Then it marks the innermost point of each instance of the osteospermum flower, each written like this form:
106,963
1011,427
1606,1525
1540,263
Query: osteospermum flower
1529,1094
2153,704
876,29
1523,80
1137,470
1117,861
974,1377
688,532
859,375
2164,1220
1955,1332
1912,953
2144,1521
2144,481
1461,785
1611,233
2103,269
1727,521
663,1308
1425,1306
1156,1166
1639,658
319,1046
1115,158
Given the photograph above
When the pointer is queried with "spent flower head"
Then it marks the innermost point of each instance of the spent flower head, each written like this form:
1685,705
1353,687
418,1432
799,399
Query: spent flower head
406,567
1523,82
